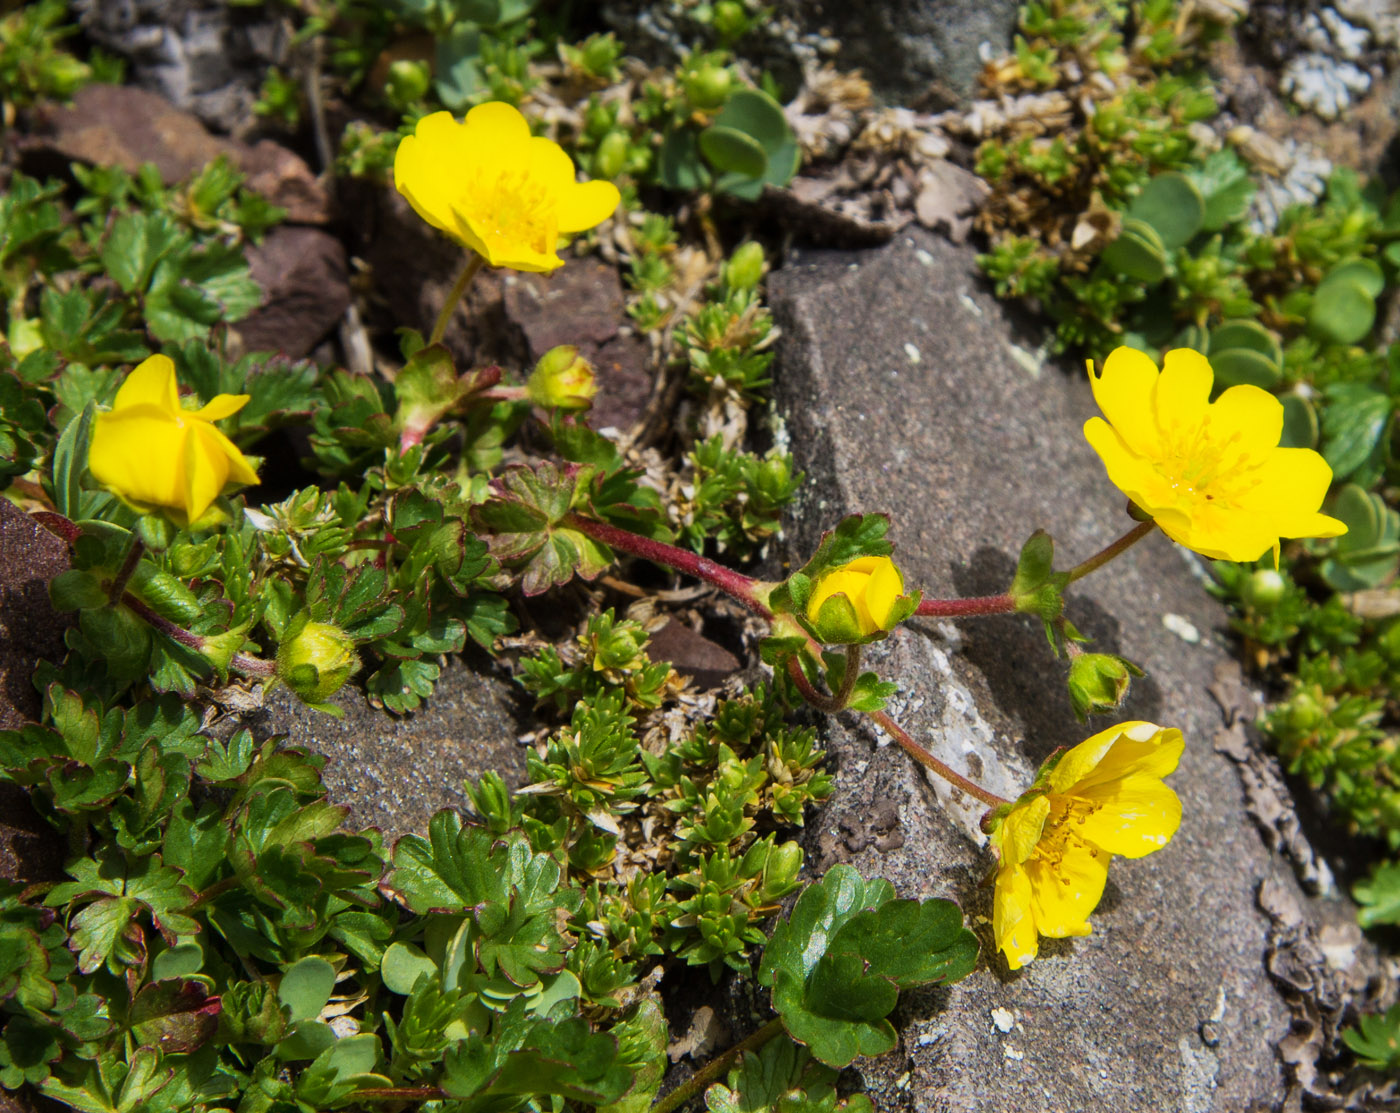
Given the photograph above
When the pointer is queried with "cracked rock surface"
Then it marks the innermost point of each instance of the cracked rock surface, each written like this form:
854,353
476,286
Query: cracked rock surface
905,389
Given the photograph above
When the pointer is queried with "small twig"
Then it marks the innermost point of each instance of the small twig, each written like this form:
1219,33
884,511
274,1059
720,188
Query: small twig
697,1082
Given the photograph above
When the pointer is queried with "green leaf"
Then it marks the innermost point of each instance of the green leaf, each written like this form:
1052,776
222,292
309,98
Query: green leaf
1172,205
136,243
1138,252
1379,896
402,966
730,151
1354,420
1376,1040
174,1016
1224,182
837,964
306,987
69,463
1343,310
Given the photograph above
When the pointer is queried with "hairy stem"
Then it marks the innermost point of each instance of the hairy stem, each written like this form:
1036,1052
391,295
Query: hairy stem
133,557
923,757
966,608
454,295
734,584
245,663
1108,552
696,1083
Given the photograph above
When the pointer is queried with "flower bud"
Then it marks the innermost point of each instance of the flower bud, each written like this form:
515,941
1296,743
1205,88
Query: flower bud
854,601
1264,590
745,267
562,380
406,82
707,86
1098,682
730,20
610,159
316,660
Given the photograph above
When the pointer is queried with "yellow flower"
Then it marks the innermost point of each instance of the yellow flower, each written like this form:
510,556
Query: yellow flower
151,452
1101,798
872,585
494,188
1211,474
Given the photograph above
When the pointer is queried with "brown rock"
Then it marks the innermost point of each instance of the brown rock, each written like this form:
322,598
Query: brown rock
30,629
110,125
692,654
306,290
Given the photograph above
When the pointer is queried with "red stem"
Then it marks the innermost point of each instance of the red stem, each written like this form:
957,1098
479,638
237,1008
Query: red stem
732,583
966,608
923,757
243,662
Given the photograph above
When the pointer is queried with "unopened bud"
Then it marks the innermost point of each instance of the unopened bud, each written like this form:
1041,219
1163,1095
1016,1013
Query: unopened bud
745,267
730,20
406,82
1098,682
610,159
1264,589
707,87
316,660
562,380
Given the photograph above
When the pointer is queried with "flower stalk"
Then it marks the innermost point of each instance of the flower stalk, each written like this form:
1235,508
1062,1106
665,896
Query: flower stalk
134,553
245,663
455,295
736,585
1108,552
693,1086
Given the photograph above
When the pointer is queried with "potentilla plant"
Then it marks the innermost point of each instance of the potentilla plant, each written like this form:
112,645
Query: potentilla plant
177,585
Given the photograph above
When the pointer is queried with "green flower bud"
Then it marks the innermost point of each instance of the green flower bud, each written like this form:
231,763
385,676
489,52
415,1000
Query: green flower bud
707,87
730,20
1264,589
316,659
745,267
562,380
407,82
1098,682
600,54
1303,713
610,159
780,872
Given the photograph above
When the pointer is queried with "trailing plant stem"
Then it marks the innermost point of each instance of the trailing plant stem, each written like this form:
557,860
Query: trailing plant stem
245,663
734,584
966,608
133,557
1104,555
712,1070
923,757
454,295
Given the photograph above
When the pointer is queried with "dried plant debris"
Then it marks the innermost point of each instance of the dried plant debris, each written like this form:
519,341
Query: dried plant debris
1267,797
1327,974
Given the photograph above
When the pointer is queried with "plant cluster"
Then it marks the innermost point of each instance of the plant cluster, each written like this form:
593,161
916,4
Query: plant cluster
1131,226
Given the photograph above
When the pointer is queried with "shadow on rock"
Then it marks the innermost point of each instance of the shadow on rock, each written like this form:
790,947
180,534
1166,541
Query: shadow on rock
1025,678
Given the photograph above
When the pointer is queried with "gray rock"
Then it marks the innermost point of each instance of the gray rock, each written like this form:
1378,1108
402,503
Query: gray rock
913,51
30,629
394,772
306,290
904,391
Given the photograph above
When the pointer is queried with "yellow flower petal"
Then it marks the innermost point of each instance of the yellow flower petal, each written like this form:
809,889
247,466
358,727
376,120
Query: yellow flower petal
1124,393
206,470
1013,924
220,407
1064,892
497,190
1133,748
1287,489
1021,829
585,205
151,382
1132,817
498,132
1182,392
1131,473
139,453
151,452
1252,417
882,592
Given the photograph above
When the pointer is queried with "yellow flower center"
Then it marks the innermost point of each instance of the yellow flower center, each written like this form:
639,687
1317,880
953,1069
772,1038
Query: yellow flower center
1201,468
510,206
1059,838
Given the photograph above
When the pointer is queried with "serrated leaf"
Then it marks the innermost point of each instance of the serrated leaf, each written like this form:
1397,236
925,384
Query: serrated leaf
174,1016
1379,896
